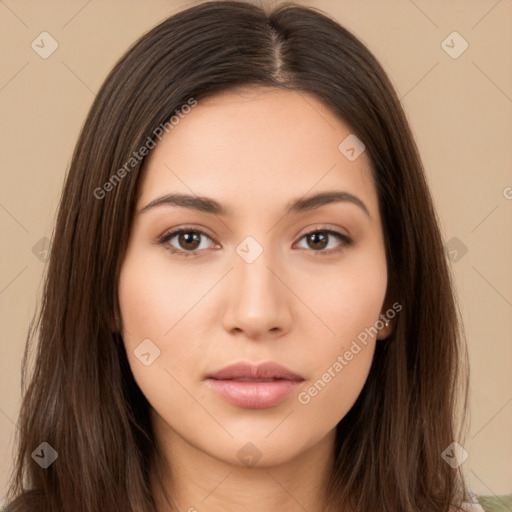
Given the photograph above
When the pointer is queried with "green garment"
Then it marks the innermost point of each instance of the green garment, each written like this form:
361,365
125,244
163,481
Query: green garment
501,503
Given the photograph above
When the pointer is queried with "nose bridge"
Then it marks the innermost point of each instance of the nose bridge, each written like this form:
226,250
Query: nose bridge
255,283
257,298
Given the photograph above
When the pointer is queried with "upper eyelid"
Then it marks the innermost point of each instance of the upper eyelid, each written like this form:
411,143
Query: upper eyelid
318,226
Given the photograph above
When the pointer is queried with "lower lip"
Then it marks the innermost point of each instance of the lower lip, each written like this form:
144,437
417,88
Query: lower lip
255,394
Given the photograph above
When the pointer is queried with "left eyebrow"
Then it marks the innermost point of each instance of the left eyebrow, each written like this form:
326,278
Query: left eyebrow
323,198
209,205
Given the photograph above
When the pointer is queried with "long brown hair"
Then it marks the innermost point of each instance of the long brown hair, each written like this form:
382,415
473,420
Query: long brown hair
81,397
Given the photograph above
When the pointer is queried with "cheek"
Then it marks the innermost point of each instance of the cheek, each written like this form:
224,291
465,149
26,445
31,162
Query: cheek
154,296
345,299
348,303
333,392
160,324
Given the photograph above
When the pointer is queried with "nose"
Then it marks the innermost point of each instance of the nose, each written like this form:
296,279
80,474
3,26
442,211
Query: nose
257,299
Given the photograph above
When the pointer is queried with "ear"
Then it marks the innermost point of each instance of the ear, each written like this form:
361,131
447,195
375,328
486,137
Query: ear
386,330
387,317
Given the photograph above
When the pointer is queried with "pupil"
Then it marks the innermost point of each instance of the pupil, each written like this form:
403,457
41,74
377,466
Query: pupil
318,237
189,238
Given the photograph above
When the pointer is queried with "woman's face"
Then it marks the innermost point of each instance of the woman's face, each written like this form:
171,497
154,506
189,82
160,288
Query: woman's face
265,271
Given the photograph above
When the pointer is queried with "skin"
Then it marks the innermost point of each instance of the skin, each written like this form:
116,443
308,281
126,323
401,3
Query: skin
253,151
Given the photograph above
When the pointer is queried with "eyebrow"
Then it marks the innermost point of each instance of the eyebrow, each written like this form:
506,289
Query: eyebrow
209,205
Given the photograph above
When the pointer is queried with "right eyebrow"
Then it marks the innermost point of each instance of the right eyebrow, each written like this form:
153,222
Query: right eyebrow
202,204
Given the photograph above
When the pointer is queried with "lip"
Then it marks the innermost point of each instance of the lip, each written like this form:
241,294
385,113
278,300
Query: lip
254,386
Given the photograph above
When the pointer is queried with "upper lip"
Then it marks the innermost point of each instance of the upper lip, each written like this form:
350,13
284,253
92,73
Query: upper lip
244,370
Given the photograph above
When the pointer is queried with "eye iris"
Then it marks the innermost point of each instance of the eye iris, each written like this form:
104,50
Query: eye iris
319,240
187,238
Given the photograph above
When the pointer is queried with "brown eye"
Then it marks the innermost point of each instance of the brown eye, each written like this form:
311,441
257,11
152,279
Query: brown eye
317,240
189,240
320,240
186,242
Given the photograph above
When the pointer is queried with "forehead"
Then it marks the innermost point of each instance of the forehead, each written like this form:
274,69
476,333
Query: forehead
256,145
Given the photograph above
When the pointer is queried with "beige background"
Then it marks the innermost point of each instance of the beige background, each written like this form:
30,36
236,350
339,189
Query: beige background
459,109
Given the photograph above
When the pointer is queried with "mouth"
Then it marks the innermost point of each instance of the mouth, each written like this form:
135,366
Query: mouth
254,386
252,380
243,371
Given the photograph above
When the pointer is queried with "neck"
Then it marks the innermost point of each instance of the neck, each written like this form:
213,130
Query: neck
197,482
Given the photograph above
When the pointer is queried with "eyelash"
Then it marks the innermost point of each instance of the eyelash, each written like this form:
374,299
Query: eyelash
345,241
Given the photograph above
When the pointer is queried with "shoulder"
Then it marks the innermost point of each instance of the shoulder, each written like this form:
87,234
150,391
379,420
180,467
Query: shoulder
495,503
471,507
501,503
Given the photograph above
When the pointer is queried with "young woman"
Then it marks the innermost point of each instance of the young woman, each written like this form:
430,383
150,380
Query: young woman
248,305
